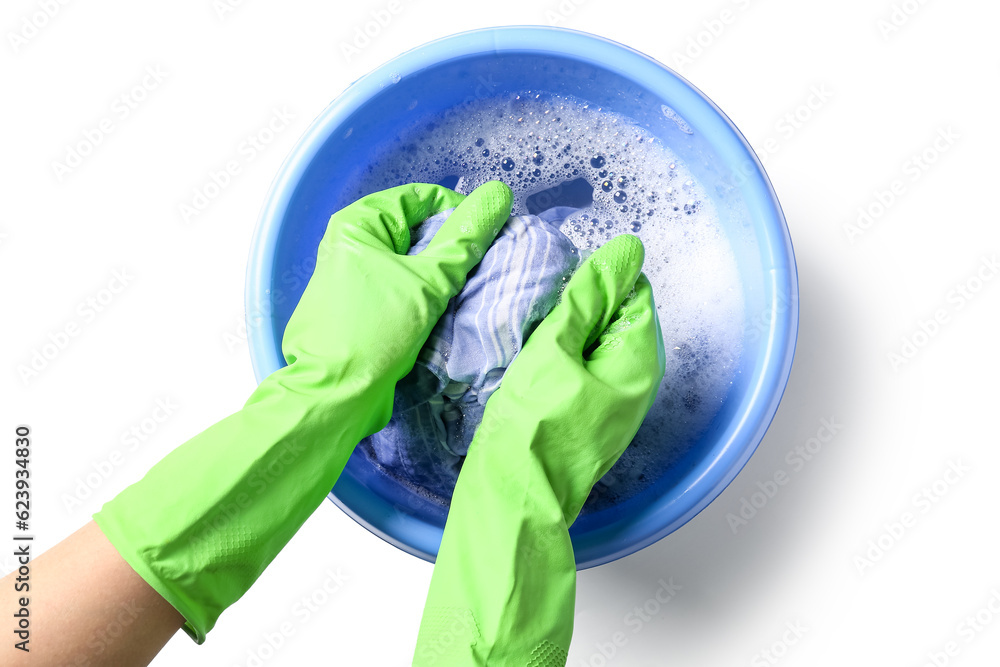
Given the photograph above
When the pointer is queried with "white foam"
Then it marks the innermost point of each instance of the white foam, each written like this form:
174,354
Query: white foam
640,187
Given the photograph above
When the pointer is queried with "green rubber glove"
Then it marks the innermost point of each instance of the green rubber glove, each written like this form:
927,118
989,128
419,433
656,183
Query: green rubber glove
205,521
504,584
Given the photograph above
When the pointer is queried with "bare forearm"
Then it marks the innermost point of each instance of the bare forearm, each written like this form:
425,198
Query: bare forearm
88,607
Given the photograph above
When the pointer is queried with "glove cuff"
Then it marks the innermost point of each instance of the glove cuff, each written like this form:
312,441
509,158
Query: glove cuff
205,521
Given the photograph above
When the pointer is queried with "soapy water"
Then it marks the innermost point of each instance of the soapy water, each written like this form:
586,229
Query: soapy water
560,151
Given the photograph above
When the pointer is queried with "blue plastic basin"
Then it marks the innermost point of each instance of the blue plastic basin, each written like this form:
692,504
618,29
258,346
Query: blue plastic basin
430,79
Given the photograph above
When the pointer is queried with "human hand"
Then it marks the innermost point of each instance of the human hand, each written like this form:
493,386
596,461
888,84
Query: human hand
504,582
238,491
579,390
369,307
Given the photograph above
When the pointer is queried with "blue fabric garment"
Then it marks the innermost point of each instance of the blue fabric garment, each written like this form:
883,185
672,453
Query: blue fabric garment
438,406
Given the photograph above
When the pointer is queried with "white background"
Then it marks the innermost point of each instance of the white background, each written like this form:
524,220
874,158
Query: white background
173,332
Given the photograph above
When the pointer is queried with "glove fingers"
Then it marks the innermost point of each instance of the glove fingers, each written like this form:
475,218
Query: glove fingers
384,218
464,237
630,350
594,294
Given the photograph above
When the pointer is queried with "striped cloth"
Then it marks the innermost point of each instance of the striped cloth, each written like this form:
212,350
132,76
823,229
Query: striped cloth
438,406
